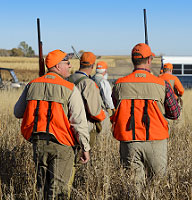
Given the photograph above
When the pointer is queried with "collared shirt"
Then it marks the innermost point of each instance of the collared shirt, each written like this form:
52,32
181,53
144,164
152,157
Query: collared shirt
80,72
172,109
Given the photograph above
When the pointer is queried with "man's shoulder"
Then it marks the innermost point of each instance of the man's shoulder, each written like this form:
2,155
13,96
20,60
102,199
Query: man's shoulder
90,82
168,75
147,77
175,77
81,79
123,79
157,79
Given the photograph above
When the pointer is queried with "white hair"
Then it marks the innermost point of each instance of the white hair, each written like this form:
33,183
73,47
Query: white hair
100,71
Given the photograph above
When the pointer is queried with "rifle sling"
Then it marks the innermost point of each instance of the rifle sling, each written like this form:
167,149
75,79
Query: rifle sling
36,117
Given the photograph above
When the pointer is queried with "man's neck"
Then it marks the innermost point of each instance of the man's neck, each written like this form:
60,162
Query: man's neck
86,71
168,72
142,67
56,72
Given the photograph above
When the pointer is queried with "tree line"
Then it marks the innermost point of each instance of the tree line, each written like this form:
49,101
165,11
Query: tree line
23,50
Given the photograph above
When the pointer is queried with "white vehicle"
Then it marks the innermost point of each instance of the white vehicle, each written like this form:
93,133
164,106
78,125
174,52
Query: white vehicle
14,82
182,68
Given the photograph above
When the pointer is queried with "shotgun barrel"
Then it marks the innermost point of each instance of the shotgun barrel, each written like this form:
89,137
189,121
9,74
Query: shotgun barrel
145,26
76,54
40,45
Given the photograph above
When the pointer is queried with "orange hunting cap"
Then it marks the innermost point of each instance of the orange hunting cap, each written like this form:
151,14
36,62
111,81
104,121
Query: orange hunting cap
101,65
142,50
168,66
87,58
54,57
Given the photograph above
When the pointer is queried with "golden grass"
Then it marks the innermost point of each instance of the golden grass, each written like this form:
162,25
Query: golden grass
26,69
103,177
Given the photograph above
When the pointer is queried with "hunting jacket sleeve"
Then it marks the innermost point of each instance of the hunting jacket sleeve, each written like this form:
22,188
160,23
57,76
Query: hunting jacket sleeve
179,86
77,119
21,104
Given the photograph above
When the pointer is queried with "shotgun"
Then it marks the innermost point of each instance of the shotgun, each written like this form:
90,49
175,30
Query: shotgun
145,25
76,54
40,44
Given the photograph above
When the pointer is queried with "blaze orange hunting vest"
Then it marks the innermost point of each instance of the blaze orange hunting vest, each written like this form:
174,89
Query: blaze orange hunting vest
46,109
175,83
140,112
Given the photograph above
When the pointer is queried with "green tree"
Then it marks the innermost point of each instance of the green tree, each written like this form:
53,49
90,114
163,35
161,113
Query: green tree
16,52
31,52
26,49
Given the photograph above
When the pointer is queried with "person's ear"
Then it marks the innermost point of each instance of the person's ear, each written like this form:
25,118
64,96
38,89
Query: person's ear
149,60
57,66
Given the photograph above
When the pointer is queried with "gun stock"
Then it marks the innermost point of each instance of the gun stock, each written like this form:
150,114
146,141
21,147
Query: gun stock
40,45
145,26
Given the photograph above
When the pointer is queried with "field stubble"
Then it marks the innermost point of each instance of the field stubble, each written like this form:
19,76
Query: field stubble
102,178
26,69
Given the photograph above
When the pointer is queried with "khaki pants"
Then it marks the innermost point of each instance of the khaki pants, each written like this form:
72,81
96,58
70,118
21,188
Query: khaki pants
55,169
138,156
106,129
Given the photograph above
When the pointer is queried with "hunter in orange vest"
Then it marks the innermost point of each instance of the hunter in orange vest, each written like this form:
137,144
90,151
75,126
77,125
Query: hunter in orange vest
54,120
175,83
142,101
89,90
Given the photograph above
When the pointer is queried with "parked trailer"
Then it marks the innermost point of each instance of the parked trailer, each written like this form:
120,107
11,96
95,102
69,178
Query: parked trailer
182,68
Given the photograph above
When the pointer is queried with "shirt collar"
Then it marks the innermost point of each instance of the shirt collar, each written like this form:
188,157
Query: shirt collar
79,72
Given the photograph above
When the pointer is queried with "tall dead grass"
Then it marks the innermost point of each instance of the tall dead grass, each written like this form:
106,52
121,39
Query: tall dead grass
26,69
102,178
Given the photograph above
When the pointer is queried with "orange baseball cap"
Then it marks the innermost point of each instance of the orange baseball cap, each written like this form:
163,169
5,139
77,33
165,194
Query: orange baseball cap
142,50
87,58
54,57
168,66
101,65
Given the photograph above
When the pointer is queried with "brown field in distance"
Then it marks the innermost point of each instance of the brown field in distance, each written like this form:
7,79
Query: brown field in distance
26,69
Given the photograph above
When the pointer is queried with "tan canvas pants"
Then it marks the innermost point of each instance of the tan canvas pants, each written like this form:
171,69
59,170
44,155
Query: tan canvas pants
139,156
55,169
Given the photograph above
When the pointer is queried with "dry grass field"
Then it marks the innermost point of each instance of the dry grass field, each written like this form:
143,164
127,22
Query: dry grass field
102,178
26,69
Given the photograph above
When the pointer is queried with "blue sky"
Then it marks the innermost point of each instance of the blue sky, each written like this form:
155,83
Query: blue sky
105,27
